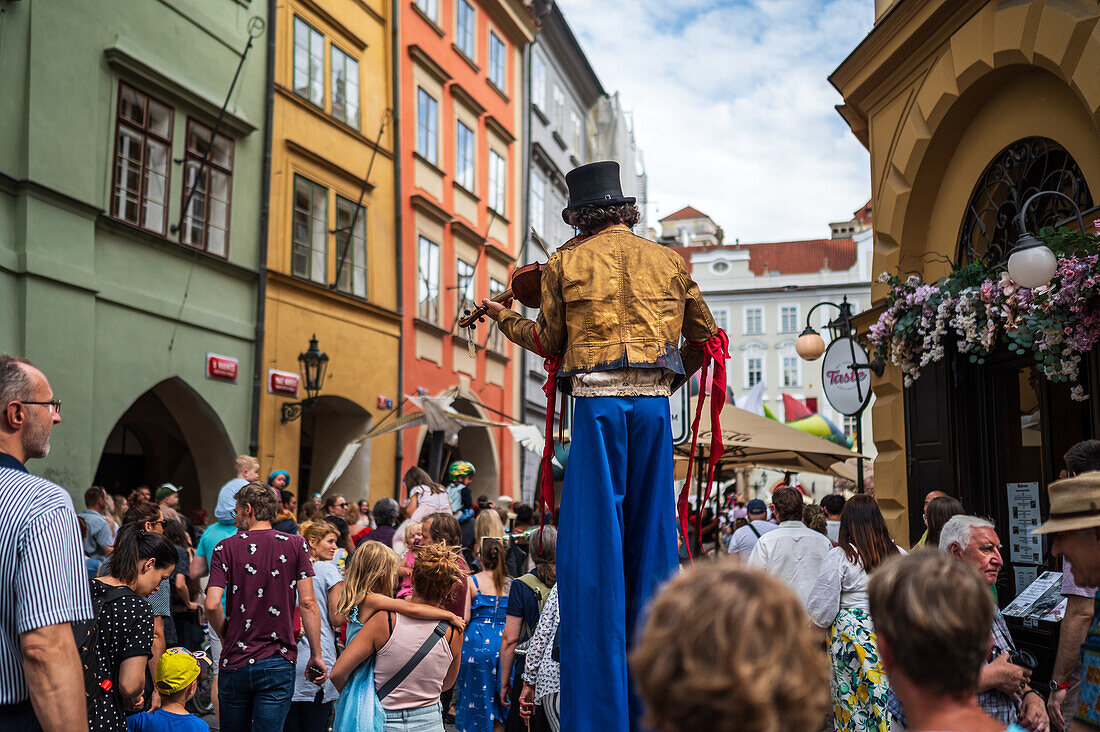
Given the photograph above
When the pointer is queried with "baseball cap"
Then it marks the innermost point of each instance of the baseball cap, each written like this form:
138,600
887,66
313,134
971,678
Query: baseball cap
178,667
756,506
166,489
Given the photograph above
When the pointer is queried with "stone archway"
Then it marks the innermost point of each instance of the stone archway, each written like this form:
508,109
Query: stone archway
328,426
168,434
476,444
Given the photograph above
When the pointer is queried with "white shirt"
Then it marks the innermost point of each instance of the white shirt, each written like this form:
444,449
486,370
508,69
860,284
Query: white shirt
793,553
832,530
744,539
841,584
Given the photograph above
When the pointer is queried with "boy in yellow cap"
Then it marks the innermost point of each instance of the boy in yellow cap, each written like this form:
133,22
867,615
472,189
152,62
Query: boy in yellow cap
178,674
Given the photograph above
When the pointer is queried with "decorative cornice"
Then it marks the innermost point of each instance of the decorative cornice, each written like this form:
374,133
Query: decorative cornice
430,208
315,8
498,129
461,94
136,64
418,54
318,159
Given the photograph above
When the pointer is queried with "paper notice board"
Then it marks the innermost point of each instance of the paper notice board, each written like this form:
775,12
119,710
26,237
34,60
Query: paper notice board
1023,516
1042,600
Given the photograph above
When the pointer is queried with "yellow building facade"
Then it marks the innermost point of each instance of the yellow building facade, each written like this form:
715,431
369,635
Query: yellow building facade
956,100
332,259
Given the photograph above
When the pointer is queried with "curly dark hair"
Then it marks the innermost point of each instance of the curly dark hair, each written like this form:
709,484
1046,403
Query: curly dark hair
590,219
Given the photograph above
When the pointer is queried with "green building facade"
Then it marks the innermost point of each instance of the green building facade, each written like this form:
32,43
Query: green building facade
107,109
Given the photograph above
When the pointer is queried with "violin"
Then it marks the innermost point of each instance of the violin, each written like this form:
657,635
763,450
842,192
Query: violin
526,286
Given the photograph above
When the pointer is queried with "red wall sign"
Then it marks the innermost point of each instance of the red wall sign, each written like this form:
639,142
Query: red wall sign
223,368
282,382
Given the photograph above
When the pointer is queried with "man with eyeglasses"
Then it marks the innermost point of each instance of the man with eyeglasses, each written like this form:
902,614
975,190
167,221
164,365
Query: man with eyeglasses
43,580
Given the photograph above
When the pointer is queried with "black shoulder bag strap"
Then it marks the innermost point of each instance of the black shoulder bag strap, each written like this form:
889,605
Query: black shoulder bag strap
753,530
437,635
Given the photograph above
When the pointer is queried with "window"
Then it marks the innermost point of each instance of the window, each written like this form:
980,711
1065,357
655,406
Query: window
351,247
142,151
465,149
721,318
559,107
345,88
427,126
309,62
791,376
754,371
496,182
811,404
496,61
788,319
464,28
496,338
538,81
206,222
575,132
851,427
720,267
754,321
427,285
537,203
464,286
309,248
430,8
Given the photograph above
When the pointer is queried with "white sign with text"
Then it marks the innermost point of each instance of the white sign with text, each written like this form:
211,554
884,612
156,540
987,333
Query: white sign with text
846,389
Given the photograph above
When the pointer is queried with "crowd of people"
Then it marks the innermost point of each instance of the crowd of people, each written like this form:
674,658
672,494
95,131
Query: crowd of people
407,614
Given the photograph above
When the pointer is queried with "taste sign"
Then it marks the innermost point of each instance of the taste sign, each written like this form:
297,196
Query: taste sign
847,389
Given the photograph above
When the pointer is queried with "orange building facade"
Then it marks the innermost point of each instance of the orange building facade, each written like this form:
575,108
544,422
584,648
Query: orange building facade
461,76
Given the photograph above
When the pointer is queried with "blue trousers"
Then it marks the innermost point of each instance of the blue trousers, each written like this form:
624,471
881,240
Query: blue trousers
616,545
256,696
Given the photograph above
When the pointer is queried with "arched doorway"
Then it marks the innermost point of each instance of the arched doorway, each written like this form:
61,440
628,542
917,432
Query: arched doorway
474,444
327,428
168,434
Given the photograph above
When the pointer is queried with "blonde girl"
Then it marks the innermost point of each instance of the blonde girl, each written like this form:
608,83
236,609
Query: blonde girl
328,586
369,582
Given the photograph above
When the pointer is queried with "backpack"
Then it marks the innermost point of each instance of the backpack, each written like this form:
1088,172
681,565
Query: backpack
86,635
542,592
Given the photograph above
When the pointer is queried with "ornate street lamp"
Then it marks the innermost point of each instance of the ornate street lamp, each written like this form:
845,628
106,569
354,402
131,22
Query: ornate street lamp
313,364
1031,264
810,346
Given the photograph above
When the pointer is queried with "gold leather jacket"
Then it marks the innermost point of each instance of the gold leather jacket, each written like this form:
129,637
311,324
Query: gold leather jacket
613,301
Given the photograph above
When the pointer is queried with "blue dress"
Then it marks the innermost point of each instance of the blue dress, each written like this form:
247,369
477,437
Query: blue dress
358,708
478,686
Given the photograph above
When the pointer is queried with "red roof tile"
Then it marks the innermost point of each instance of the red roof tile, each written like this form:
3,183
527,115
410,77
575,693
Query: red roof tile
801,257
687,212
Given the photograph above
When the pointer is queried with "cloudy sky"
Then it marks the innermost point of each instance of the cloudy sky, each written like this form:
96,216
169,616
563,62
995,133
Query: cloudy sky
732,109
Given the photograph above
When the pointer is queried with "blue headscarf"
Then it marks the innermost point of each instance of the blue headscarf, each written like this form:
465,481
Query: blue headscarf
271,478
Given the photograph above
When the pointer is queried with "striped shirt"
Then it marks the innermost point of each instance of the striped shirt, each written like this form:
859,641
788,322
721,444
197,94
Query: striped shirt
42,576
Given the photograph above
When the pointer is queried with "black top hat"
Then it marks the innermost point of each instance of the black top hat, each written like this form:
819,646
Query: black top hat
595,184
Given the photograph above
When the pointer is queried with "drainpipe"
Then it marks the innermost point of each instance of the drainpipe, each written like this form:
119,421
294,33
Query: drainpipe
528,153
265,219
399,398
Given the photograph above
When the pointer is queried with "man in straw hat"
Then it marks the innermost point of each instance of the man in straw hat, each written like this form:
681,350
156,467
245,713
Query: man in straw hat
613,309
1074,526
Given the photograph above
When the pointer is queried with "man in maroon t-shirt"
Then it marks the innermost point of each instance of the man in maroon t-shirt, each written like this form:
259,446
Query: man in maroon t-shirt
259,570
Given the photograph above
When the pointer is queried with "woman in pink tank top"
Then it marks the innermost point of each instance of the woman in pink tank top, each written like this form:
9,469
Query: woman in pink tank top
413,705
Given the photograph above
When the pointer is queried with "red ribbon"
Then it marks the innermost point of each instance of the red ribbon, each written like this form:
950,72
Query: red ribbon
552,364
715,349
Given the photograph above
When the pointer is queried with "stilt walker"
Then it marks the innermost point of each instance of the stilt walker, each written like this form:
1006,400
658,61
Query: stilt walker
614,306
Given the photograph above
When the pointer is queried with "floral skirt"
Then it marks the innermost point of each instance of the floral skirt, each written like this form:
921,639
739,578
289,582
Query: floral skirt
859,684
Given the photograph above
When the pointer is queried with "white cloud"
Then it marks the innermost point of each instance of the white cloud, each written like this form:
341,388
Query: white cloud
732,107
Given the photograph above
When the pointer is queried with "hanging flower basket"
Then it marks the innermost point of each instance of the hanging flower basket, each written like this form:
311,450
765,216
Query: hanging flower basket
982,309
